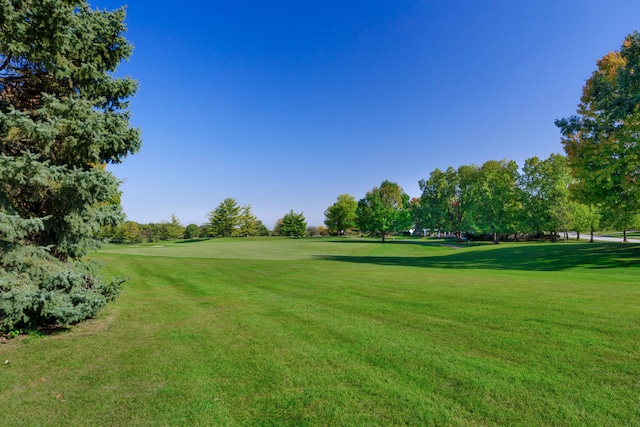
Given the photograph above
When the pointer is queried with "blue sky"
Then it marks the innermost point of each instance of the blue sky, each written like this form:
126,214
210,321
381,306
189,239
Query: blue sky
287,104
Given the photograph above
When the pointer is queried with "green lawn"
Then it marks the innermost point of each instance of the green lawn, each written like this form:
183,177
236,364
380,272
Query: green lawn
344,332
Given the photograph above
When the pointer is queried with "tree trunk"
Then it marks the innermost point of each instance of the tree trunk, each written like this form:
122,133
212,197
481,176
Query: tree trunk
591,241
578,234
624,236
382,233
495,237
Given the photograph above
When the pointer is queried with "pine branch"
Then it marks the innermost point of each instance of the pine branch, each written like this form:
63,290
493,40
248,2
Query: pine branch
6,62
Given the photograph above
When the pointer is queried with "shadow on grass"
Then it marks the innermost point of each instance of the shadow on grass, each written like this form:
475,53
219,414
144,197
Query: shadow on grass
543,257
180,242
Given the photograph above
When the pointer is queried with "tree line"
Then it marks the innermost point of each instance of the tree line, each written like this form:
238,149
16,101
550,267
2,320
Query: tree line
596,185
496,200
228,219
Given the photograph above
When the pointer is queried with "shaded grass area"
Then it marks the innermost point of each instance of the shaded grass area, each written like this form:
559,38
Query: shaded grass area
344,333
533,256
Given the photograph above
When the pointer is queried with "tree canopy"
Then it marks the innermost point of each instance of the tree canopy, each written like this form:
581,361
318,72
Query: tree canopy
247,222
384,209
293,225
63,117
496,198
341,216
225,218
444,200
230,219
602,141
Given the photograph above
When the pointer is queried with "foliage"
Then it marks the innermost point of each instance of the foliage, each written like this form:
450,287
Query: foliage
416,209
317,231
40,290
585,218
276,227
261,229
496,198
341,216
192,231
445,203
247,222
225,218
603,140
545,185
620,220
230,219
292,225
175,229
63,117
130,231
384,209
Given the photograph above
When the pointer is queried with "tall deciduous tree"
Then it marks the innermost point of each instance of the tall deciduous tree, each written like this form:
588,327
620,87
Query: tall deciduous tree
497,197
603,140
545,194
225,218
384,209
585,218
341,216
63,116
446,200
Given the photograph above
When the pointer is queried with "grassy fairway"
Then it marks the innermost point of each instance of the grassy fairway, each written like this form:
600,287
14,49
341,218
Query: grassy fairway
344,332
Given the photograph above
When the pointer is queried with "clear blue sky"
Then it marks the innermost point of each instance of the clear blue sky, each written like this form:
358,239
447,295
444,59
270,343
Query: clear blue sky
287,104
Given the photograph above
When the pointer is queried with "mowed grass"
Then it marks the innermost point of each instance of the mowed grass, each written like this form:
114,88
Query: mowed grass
344,332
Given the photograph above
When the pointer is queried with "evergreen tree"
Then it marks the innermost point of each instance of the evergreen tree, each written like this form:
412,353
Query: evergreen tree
175,229
63,117
247,222
293,225
225,218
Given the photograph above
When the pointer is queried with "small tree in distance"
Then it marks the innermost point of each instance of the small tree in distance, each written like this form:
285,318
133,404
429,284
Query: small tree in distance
384,209
192,231
247,222
175,230
341,216
293,225
225,218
